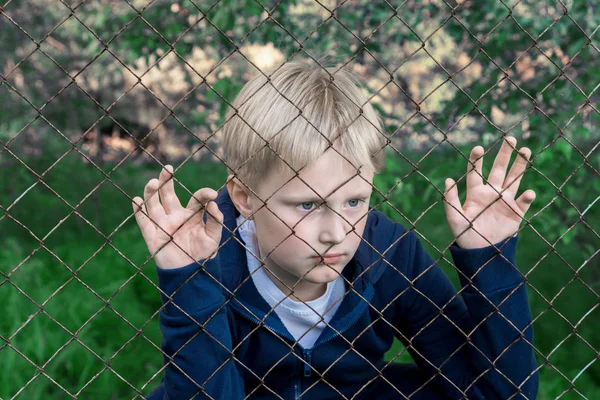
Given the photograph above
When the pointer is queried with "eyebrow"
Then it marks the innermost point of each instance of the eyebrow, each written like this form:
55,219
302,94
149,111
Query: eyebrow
314,198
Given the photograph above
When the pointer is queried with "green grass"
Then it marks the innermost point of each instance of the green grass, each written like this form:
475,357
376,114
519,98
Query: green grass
110,357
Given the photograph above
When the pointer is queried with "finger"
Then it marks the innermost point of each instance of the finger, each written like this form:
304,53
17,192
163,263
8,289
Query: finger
474,168
513,180
498,172
524,201
452,203
139,211
166,185
214,220
199,199
153,206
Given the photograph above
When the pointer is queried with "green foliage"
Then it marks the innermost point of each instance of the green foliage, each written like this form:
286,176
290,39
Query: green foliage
77,218
114,280
88,286
419,204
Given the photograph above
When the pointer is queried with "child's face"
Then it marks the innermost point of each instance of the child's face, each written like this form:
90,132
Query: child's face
291,256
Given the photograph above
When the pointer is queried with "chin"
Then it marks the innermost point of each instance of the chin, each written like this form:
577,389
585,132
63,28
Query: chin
322,274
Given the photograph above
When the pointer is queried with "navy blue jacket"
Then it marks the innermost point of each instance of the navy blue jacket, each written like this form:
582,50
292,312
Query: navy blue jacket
226,343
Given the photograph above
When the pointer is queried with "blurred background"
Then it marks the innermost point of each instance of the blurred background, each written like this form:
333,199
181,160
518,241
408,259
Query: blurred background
96,96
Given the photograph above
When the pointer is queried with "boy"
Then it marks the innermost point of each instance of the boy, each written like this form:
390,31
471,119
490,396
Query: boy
293,287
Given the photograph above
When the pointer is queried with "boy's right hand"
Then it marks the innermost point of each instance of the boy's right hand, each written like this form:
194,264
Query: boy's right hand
185,225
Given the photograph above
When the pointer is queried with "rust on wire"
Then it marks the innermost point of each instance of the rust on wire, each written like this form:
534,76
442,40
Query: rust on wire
395,15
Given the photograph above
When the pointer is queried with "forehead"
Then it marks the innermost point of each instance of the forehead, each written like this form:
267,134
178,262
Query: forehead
330,176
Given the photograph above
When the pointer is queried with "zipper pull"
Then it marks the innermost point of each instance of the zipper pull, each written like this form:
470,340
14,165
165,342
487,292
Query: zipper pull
307,369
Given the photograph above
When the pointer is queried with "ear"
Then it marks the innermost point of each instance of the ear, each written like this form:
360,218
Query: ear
240,197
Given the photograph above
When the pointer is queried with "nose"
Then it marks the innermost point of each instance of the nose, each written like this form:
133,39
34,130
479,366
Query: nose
333,229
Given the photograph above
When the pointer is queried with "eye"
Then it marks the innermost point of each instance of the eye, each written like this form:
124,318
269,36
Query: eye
309,203
356,204
307,206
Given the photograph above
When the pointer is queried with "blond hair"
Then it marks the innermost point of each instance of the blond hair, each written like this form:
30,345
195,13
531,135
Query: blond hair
297,114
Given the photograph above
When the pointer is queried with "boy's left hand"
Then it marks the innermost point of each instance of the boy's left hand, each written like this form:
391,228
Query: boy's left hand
502,218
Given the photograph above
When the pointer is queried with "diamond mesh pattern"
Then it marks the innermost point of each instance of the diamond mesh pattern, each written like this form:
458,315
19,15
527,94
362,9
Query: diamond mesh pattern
434,71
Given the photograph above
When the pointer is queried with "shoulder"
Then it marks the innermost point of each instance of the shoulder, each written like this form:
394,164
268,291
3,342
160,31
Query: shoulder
386,234
389,244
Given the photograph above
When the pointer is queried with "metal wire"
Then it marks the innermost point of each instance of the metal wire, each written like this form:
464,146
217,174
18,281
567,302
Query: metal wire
396,14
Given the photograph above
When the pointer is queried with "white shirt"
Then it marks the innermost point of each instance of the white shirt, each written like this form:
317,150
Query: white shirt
297,316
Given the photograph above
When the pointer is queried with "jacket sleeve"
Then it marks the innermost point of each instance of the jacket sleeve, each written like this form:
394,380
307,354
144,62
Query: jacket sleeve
197,339
478,343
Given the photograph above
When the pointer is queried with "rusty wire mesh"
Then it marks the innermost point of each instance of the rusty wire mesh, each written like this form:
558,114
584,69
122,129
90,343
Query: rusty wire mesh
396,14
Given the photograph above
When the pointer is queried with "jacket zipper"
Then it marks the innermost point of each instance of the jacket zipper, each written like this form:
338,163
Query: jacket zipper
307,356
282,334
307,369
306,353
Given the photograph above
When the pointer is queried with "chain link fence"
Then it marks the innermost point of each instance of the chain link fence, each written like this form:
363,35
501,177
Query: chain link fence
114,90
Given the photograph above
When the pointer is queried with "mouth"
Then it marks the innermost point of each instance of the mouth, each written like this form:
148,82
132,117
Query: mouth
329,258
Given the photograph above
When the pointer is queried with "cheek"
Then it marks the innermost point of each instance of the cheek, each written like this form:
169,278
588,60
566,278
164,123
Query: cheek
290,227
287,253
276,237
269,223
294,246
359,229
360,226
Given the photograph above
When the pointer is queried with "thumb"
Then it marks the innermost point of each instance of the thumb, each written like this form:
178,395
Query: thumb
452,202
214,220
